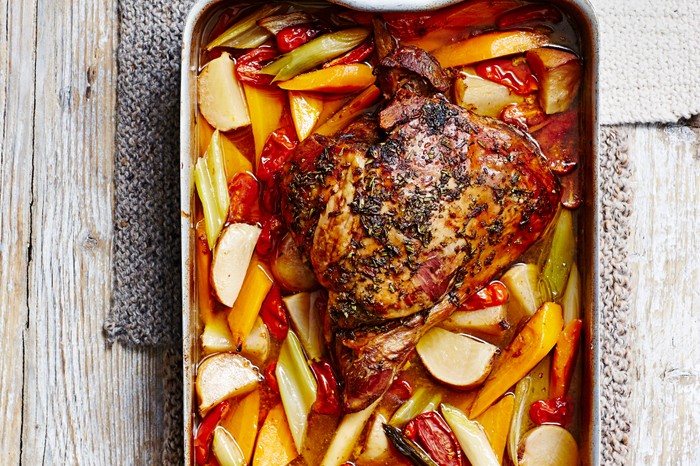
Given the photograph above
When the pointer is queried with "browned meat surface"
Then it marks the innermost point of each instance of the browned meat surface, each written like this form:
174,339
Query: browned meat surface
401,231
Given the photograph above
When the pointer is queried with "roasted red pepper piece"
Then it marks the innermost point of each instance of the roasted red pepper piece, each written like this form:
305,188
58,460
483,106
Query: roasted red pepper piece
512,73
292,37
494,294
328,395
205,433
558,411
276,151
248,65
355,55
243,192
431,432
529,14
274,313
270,377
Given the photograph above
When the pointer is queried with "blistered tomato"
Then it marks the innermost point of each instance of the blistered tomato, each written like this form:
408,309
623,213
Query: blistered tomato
276,151
243,192
431,432
328,395
557,411
494,294
248,65
274,313
512,73
292,37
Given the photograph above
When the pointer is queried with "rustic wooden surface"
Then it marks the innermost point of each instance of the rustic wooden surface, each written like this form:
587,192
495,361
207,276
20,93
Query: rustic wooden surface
68,398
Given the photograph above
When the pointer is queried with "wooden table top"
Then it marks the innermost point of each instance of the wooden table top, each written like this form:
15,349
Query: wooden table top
68,398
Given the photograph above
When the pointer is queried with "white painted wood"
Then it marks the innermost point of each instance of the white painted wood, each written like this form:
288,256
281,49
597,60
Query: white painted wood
664,325
66,398
16,121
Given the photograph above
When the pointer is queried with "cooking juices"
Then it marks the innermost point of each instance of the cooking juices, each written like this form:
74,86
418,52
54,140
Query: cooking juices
496,380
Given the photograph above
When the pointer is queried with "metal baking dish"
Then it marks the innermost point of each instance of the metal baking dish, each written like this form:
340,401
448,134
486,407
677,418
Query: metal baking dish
582,14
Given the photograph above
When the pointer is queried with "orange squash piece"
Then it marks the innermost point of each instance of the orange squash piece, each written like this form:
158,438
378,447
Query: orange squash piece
496,424
564,359
265,106
349,112
306,109
202,254
242,423
245,310
234,160
488,46
338,79
528,348
275,445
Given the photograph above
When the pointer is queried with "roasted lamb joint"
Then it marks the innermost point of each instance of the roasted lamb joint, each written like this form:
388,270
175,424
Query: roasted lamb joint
401,231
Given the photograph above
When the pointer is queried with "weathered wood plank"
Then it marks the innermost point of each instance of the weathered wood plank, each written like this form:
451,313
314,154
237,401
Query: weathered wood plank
17,33
83,402
665,320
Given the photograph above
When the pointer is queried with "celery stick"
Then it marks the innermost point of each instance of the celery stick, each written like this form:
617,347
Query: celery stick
471,437
346,436
555,271
571,301
275,24
226,449
213,221
297,387
422,401
217,171
245,24
315,52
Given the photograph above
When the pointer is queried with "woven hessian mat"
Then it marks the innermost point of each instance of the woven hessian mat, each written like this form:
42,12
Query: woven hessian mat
146,307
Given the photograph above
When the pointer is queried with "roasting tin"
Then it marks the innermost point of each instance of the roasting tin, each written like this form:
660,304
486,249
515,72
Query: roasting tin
584,20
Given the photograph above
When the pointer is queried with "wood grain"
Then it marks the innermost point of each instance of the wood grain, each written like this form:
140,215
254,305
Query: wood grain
17,33
665,320
66,397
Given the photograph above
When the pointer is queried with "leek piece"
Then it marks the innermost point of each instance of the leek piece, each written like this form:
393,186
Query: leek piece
532,387
213,221
422,401
297,387
307,322
560,257
249,39
315,52
471,437
217,171
226,449
244,25
346,436
571,301
275,24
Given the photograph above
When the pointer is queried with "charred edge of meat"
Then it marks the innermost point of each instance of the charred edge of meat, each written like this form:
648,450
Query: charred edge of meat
369,357
412,68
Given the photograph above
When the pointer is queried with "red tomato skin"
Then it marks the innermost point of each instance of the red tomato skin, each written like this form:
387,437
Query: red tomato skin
205,433
494,294
557,411
243,193
249,64
328,396
277,150
274,313
516,76
431,432
292,37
